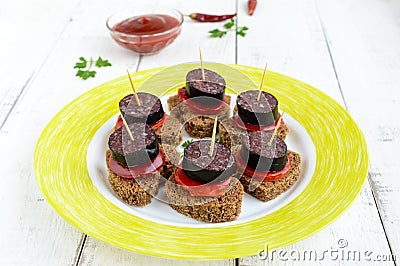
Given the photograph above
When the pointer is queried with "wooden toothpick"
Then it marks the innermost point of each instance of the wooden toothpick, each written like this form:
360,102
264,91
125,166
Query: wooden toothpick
276,129
133,88
127,128
213,137
201,64
262,82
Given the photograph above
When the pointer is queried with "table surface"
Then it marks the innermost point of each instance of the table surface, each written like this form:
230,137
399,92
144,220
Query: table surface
347,49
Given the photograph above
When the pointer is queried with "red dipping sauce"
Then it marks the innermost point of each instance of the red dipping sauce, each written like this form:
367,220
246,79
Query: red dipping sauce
147,24
146,34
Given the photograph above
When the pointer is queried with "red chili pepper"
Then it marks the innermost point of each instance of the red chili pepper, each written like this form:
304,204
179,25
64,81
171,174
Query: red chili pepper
210,18
252,6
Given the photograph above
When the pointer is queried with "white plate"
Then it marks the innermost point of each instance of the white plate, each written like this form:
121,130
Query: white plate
158,211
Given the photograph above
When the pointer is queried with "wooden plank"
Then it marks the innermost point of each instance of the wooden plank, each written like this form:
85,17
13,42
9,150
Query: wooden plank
365,48
289,35
99,253
361,237
33,234
32,29
30,230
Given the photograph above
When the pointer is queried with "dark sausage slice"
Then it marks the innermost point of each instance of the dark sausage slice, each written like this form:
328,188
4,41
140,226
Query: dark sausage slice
150,110
212,86
261,156
198,165
261,113
142,149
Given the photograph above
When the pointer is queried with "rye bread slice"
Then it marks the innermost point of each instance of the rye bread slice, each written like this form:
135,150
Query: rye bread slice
170,132
133,191
267,191
220,209
197,126
172,158
231,136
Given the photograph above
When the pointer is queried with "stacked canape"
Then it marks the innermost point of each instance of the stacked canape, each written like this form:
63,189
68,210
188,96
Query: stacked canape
267,167
134,161
251,114
150,111
203,187
201,98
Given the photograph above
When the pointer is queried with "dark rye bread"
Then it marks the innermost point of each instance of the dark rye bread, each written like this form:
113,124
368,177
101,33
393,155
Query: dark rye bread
197,126
133,191
172,158
231,136
170,132
269,190
200,127
206,209
169,136
173,102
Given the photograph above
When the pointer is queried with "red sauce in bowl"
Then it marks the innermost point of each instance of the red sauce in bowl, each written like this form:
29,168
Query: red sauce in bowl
147,24
146,34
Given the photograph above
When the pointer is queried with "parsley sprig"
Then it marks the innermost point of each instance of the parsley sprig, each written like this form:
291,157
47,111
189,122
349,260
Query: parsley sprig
229,26
187,143
85,67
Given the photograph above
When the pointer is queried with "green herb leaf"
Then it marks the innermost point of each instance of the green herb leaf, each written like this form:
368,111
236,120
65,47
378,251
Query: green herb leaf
230,24
102,63
85,74
242,31
187,143
216,33
81,64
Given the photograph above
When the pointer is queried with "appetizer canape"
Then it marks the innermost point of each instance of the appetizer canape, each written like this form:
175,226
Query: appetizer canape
200,98
150,111
252,114
272,167
167,129
134,161
203,187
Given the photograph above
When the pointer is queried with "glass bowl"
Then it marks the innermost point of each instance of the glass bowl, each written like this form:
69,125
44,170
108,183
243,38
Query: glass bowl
154,28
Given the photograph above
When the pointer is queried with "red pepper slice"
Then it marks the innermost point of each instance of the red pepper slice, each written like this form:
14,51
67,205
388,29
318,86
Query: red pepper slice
158,124
262,176
251,5
244,126
210,18
199,189
142,170
197,108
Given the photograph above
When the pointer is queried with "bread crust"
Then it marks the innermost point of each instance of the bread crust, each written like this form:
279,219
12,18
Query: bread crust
220,209
231,136
267,191
197,126
133,191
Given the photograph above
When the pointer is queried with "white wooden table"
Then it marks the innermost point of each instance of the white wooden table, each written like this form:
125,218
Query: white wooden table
349,49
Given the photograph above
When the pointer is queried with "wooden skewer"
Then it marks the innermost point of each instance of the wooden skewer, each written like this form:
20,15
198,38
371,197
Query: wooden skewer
133,88
262,82
276,129
201,64
213,137
127,128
